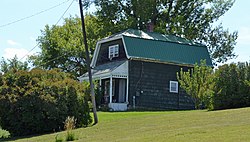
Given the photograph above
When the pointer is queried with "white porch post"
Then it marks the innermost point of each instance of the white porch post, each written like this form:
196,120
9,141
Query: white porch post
127,91
100,84
110,89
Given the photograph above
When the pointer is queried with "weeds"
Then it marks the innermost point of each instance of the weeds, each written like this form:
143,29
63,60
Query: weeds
69,125
58,139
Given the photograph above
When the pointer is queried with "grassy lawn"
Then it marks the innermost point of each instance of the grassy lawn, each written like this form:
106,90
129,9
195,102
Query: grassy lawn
180,126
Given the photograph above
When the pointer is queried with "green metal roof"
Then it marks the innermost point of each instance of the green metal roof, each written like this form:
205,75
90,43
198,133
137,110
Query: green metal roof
154,36
163,48
158,47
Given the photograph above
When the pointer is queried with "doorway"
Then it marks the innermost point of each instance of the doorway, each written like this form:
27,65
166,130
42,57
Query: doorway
122,91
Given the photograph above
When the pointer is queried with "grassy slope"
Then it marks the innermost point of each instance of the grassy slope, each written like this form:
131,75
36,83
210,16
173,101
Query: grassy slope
201,126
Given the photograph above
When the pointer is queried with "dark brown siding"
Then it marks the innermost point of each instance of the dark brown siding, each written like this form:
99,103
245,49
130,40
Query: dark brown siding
104,52
149,83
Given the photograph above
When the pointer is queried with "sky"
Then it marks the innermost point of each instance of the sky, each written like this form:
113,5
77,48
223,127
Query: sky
19,37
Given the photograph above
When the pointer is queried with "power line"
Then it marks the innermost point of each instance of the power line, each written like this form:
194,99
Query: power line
55,25
29,51
64,12
38,13
40,65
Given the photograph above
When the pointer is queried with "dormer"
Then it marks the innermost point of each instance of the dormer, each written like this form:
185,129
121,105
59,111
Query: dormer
109,51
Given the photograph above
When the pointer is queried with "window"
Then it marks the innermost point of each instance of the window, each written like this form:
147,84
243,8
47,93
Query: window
173,87
113,51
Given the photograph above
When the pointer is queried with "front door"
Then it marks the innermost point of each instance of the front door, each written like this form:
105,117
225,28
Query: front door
122,91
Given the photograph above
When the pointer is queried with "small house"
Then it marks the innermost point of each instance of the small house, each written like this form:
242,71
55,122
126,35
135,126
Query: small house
137,69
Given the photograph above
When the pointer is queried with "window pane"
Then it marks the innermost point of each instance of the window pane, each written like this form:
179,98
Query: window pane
173,86
113,51
116,52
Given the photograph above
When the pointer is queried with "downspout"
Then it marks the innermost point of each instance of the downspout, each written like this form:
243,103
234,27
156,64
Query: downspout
133,102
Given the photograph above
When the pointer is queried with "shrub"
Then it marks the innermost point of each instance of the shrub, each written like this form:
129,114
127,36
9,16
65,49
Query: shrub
39,101
198,83
4,134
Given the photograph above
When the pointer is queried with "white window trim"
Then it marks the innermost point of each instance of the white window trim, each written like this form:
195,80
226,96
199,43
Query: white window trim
113,51
170,86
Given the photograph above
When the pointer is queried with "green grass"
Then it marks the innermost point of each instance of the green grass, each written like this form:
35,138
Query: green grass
180,126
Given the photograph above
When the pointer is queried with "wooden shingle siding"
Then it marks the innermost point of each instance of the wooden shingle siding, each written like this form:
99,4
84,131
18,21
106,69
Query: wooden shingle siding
103,56
149,83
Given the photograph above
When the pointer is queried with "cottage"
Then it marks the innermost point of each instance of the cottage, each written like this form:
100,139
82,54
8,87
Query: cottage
137,69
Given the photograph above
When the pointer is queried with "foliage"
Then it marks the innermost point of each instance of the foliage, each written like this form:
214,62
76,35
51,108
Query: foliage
197,82
13,65
191,19
39,101
228,87
62,46
232,86
220,43
69,125
4,134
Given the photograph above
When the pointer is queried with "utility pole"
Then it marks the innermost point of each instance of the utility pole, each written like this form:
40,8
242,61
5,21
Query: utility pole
88,64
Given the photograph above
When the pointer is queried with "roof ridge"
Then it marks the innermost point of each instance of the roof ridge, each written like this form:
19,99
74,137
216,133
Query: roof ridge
158,37
200,45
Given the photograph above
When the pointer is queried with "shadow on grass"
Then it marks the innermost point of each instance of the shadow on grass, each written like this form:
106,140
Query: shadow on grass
23,137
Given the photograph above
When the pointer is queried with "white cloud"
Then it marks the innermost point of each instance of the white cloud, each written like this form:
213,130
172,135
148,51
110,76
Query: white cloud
244,36
10,53
12,42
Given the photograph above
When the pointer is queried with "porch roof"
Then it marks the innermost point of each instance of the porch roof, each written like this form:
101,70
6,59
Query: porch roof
116,69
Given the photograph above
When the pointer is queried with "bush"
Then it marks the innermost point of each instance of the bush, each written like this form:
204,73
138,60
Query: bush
4,134
198,83
39,101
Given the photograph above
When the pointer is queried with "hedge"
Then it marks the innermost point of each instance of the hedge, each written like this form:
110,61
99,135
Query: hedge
39,101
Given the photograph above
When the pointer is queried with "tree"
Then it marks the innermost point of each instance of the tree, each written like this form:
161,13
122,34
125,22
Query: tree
197,82
13,65
62,46
232,86
190,19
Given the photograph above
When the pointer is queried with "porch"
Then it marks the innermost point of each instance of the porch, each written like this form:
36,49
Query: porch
113,84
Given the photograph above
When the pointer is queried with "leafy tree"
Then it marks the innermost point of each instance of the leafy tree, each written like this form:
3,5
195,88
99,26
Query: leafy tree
62,46
198,82
226,86
192,19
13,65
231,86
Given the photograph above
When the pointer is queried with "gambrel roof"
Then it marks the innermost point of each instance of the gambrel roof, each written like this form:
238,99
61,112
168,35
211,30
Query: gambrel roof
158,47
